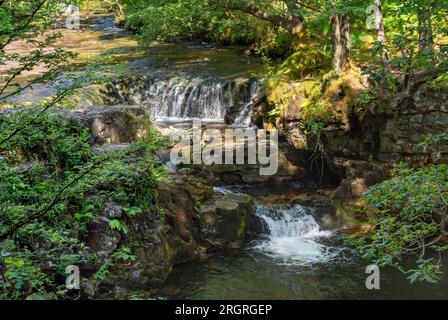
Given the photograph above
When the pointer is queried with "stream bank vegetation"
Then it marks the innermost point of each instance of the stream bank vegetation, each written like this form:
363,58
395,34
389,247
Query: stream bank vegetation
322,59
53,181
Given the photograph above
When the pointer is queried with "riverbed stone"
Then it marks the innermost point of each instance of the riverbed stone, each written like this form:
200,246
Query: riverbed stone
225,219
113,210
113,124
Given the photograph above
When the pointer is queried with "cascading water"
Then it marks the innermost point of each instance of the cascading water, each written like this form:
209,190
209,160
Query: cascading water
184,98
245,115
293,236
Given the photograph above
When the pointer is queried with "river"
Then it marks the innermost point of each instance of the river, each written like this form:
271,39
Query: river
294,258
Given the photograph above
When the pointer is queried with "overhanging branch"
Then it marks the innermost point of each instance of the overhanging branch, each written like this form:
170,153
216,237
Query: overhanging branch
293,23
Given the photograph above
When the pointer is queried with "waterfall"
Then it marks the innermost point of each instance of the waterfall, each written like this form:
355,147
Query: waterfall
183,98
189,98
293,236
245,116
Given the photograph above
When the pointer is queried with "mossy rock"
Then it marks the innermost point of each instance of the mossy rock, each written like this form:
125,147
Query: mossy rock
225,219
329,100
353,213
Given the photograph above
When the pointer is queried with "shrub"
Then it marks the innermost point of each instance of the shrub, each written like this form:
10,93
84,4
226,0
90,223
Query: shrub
412,210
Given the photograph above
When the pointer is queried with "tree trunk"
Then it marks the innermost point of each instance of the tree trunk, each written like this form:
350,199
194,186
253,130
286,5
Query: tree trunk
384,55
341,34
337,44
426,42
381,36
345,33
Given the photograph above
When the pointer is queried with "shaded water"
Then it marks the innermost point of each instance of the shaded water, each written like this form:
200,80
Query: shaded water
294,260
250,274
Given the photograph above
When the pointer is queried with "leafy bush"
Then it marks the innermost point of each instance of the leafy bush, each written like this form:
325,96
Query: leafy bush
51,186
412,210
197,20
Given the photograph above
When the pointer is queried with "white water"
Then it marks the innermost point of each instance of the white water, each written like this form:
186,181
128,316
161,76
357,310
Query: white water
245,115
294,237
189,98
225,190
181,98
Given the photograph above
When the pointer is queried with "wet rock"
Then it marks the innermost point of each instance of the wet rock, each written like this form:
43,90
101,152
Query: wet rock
362,146
110,148
114,125
255,229
226,218
321,207
113,210
290,166
352,214
404,134
351,188
154,254
101,238
295,135
344,190
180,196
358,187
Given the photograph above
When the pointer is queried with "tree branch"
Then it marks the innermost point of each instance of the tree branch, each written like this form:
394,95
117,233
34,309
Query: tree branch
24,26
56,99
293,23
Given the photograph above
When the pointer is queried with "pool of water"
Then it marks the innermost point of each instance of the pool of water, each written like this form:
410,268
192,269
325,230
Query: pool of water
252,275
293,260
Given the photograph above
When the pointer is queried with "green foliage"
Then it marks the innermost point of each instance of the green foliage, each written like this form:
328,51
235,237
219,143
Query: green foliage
198,19
27,21
118,225
441,83
123,254
40,162
412,210
310,59
436,144
120,255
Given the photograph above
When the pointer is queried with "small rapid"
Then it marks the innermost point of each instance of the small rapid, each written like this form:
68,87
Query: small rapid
183,98
293,237
245,115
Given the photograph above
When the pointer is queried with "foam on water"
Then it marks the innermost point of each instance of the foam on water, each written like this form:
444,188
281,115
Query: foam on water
293,236
180,97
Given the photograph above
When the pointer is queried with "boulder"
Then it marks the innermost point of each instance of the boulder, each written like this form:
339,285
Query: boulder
225,219
101,238
358,187
115,124
154,254
179,196
113,210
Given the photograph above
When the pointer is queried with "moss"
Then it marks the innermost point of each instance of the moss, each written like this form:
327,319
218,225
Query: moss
440,84
242,230
353,213
309,59
329,99
342,92
96,94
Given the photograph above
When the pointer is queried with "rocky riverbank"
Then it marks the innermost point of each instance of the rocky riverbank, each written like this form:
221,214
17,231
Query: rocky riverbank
359,140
